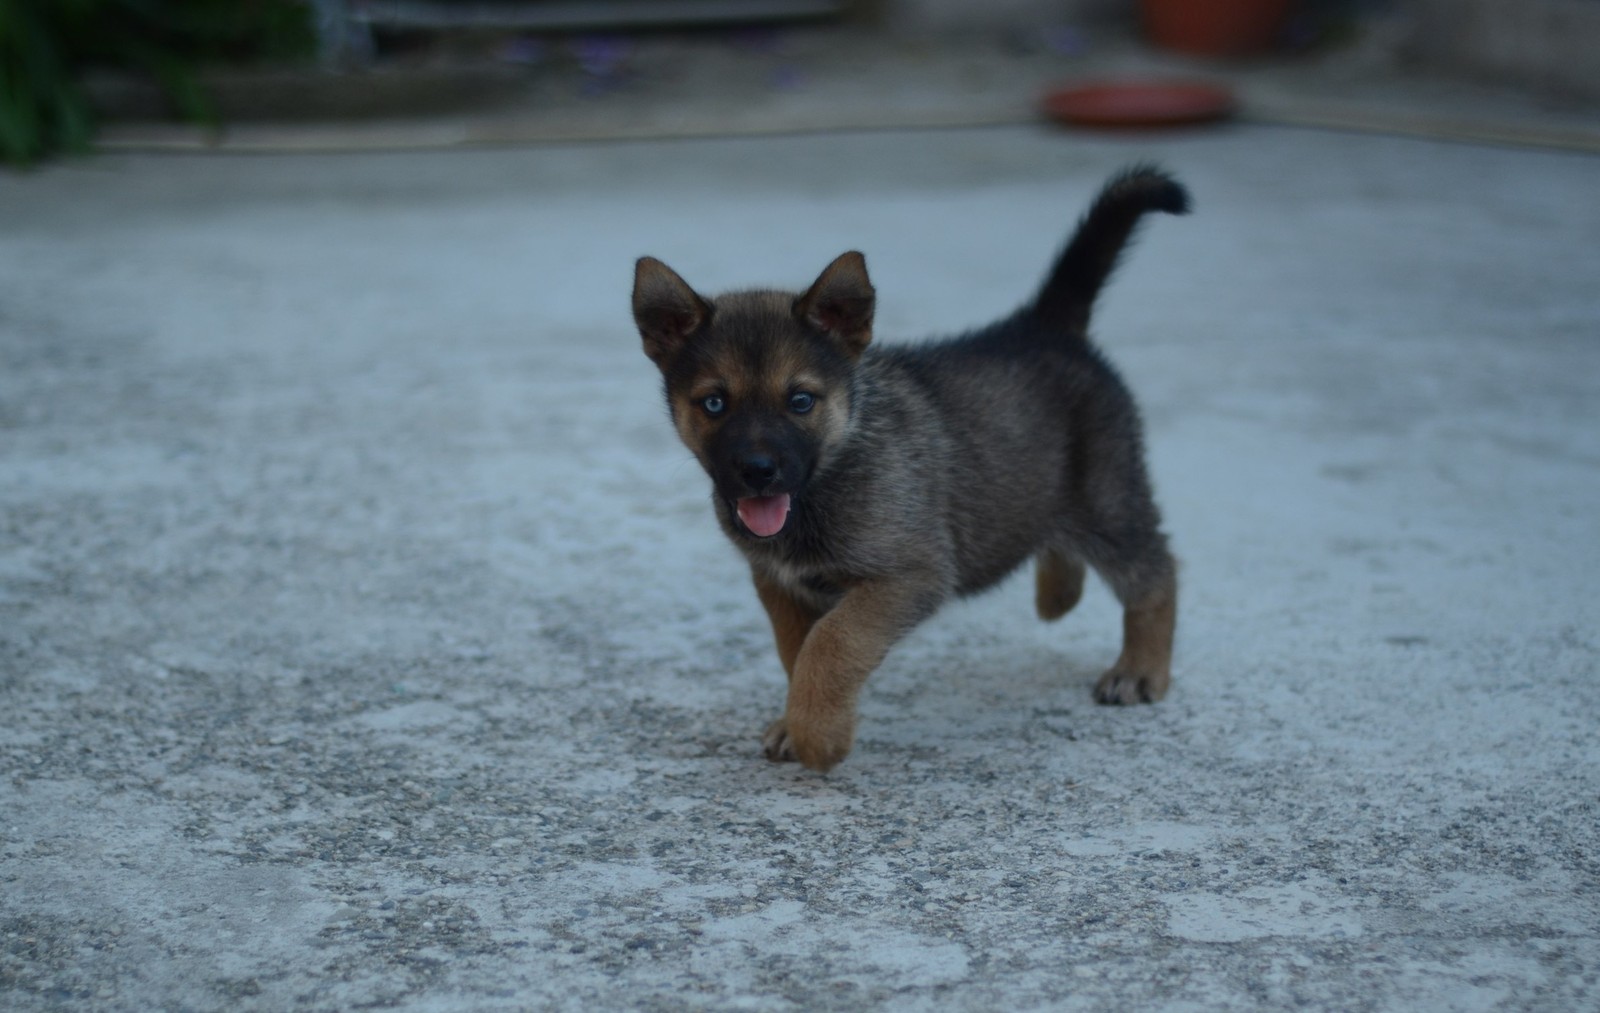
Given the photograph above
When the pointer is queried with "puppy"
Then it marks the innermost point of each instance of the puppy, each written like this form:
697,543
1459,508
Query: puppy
867,485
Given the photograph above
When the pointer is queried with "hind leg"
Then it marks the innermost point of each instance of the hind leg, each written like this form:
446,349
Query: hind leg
1149,596
1058,583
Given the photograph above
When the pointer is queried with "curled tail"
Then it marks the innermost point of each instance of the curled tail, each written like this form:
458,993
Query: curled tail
1091,255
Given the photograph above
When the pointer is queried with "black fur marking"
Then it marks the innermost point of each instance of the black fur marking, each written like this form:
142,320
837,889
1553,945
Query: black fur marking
1088,260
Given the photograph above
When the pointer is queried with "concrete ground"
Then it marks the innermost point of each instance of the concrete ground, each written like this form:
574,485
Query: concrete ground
366,638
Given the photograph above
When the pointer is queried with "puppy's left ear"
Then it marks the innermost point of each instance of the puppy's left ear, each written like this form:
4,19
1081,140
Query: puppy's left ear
667,311
840,303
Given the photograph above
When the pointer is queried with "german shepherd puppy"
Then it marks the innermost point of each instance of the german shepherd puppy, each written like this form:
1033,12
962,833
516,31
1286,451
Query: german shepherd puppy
868,485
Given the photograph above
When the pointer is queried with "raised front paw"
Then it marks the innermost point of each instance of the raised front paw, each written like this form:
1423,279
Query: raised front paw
1128,685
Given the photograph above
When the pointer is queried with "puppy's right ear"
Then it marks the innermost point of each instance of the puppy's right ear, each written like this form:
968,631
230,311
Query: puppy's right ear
840,303
666,310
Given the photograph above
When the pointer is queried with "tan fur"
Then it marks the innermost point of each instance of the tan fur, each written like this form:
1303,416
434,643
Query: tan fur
866,486
1144,669
843,647
791,620
1058,584
830,421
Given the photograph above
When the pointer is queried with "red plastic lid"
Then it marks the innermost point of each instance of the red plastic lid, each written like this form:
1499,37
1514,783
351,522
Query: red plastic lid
1138,103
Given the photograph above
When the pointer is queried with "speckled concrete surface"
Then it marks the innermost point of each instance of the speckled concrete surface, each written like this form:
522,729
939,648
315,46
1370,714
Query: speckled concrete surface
366,639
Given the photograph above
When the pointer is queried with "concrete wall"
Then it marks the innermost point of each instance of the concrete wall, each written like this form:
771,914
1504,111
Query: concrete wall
947,17
1553,45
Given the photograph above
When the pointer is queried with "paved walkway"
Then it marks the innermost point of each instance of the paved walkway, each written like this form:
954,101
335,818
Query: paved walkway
365,637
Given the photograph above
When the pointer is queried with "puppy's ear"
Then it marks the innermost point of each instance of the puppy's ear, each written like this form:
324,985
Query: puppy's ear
840,303
666,310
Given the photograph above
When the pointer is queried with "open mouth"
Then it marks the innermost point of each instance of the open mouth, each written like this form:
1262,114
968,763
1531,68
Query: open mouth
763,516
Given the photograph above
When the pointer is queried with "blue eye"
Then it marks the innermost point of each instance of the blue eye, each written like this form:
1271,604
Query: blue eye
801,403
714,404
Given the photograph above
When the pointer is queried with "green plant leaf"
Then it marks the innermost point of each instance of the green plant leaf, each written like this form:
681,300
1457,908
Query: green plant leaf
46,45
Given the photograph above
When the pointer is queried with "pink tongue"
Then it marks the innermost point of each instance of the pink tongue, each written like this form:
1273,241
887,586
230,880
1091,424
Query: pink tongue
764,515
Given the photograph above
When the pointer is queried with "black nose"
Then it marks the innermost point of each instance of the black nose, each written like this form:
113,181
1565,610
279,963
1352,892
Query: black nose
758,471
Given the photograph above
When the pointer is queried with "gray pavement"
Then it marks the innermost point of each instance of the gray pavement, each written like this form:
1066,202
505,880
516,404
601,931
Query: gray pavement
366,638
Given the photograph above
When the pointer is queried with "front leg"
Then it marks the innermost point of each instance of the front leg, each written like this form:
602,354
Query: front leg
791,619
843,647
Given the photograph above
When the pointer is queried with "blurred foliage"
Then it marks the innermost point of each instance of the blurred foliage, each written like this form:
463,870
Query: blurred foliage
47,45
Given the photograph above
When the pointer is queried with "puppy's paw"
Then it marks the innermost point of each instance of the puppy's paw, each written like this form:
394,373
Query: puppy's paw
817,744
1128,686
775,744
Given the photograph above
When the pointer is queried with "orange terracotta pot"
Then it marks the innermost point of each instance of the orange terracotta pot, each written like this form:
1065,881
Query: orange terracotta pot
1214,27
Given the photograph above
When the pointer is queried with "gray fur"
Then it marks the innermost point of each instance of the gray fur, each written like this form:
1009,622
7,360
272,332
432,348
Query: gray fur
917,473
